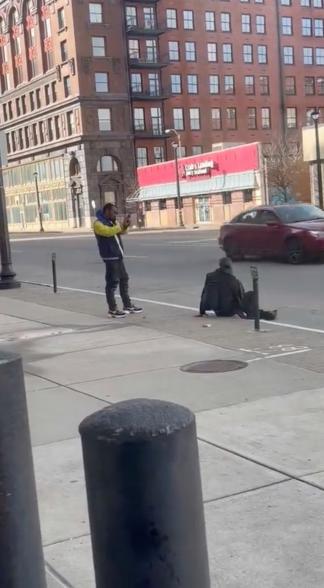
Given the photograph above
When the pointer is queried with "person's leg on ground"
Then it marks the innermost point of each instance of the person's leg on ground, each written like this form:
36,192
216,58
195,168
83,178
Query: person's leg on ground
124,291
112,281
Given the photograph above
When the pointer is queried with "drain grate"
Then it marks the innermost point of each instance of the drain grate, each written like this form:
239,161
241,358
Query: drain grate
214,366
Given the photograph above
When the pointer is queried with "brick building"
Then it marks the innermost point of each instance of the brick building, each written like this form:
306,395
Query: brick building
88,88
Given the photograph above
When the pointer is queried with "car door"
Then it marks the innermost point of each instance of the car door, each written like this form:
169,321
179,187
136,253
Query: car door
245,227
268,235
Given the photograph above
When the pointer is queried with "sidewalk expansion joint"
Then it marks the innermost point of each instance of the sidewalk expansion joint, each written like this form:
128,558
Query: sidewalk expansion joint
265,465
60,541
248,491
62,581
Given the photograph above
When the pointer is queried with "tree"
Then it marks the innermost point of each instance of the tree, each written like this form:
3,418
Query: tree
287,172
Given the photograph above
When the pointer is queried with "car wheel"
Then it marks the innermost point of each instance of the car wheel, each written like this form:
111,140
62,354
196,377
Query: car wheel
232,250
294,251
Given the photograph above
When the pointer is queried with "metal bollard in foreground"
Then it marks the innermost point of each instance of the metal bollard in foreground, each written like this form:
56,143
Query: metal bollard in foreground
255,278
144,496
54,273
21,557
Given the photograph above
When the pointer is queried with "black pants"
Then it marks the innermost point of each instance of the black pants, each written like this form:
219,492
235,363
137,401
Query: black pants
116,274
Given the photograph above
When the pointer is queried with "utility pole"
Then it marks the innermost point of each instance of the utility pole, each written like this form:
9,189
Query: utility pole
177,147
315,116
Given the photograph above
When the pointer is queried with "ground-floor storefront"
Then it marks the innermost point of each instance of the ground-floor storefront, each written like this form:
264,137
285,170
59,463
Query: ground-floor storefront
214,187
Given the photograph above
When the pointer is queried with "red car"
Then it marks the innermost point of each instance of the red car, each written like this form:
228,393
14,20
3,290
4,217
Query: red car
292,232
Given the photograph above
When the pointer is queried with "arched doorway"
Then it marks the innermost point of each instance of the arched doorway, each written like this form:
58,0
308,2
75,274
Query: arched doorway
109,179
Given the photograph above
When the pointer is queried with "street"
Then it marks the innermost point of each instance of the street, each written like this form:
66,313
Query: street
170,267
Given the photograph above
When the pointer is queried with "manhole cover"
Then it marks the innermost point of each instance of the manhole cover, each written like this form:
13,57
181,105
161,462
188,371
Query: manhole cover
214,366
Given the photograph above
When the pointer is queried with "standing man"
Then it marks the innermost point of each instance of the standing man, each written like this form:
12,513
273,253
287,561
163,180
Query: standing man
108,234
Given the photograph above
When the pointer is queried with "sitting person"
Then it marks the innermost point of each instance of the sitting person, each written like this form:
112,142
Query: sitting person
224,294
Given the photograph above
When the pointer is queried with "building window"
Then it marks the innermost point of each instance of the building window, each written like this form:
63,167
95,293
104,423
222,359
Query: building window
196,149
95,12
252,118
67,86
194,117
306,24
262,54
131,16
162,204
176,85
264,85
158,154
104,119
53,86
64,51
216,119
308,56
229,85
286,25
23,102
154,84
133,49
174,53
225,22
156,119
192,83
190,51
70,123
149,18
57,127
309,86
212,51
248,53
249,85
265,118
260,24
291,118
320,86
98,46
178,120
319,56
231,118
246,23
210,21
141,156
61,19
38,98
290,86
18,106
248,196
288,55
227,196
50,129
188,20
214,84
318,27
227,53
101,82
171,18
136,83
139,120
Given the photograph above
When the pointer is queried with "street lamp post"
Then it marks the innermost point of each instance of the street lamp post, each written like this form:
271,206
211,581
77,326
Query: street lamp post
7,274
177,146
315,116
40,214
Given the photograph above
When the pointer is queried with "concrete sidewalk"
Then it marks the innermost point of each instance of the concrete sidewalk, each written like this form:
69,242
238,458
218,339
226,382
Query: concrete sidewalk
260,432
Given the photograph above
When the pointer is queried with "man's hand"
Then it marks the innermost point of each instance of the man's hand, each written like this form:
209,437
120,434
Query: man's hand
126,222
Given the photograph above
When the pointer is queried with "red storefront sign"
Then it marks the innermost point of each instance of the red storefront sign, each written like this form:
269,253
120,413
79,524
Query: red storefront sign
207,165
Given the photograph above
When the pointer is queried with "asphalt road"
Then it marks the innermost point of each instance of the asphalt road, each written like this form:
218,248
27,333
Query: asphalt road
170,267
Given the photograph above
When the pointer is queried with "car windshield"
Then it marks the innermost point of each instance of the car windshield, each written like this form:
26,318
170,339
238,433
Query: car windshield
299,213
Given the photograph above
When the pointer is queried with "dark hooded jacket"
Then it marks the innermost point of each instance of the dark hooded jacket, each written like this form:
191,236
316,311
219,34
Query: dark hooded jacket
222,293
108,234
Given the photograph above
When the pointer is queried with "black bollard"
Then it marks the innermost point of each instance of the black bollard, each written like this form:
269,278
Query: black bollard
144,496
255,279
54,273
21,556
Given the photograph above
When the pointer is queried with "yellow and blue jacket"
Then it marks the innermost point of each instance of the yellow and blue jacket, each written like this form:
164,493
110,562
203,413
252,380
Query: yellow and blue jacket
108,235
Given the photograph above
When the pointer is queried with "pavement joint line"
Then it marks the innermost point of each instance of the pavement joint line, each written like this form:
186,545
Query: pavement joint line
262,464
59,541
52,572
248,491
36,445
171,305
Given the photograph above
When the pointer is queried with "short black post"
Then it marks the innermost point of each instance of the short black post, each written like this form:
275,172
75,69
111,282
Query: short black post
21,556
144,496
255,278
54,273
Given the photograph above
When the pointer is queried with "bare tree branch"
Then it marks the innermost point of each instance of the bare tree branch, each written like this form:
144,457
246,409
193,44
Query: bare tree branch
285,167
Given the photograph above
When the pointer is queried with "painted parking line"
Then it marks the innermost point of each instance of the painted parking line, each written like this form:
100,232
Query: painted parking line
275,355
169,305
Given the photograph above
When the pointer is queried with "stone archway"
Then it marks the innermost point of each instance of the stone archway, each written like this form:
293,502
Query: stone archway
109,179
